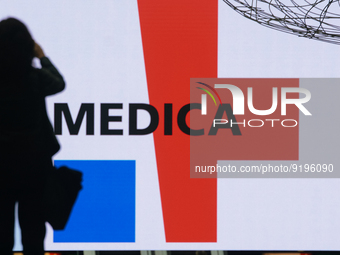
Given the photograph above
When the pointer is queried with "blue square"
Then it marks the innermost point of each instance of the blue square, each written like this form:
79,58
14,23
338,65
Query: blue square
105,208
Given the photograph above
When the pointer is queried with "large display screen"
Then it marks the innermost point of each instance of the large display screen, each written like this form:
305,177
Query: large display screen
151,90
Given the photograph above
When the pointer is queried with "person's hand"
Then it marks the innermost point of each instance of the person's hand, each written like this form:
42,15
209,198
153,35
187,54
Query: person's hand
38,51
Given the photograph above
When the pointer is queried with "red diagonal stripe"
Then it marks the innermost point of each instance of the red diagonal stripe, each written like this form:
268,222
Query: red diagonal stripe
180,42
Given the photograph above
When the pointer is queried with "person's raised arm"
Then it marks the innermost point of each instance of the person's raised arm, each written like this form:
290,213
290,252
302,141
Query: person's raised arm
51,79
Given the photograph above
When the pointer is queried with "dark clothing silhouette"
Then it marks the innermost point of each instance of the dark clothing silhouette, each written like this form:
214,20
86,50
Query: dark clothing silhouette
27,143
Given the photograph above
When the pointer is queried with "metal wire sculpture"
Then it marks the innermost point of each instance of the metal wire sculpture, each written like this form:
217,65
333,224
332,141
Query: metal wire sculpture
315,20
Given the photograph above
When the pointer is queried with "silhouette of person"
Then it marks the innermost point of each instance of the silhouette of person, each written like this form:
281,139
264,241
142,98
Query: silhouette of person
27,141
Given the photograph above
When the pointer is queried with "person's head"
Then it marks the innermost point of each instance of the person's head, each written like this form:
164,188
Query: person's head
16,48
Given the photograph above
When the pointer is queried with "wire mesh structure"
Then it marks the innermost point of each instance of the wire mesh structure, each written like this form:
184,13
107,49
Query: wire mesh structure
315,19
